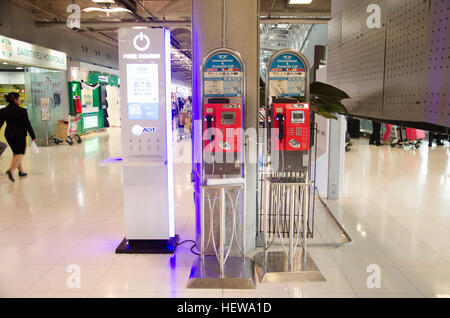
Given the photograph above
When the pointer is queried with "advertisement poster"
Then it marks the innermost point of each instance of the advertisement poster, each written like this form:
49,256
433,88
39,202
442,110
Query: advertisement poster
223,76
142,89
287,76
45,109
87,101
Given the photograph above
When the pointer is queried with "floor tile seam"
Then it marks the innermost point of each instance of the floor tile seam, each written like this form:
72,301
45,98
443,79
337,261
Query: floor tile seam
343,274
390,259
399,269
100,279
39,279
158,289
3,262
53,266
412,234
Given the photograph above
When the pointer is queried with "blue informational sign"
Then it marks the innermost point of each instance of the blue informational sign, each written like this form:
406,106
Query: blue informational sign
287,75
223,76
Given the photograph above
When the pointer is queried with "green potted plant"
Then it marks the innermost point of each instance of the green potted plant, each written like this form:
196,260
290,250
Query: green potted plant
326,100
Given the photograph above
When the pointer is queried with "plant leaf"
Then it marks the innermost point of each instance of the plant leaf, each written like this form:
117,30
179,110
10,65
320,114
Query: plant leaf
327,92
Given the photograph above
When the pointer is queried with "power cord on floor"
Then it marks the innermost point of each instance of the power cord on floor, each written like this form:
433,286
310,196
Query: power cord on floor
192,247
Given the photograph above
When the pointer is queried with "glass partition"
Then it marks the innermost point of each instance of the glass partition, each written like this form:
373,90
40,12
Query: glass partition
43,84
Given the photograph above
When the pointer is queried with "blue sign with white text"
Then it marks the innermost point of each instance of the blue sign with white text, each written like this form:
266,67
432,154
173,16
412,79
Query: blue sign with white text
223,76
287,75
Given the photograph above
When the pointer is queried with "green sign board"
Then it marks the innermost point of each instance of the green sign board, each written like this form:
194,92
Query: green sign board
96,77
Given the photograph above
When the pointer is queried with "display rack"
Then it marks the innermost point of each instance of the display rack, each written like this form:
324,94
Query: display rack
8,88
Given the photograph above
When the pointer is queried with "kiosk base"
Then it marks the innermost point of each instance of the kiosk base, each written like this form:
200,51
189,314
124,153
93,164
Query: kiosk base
148,246
239,274
274,268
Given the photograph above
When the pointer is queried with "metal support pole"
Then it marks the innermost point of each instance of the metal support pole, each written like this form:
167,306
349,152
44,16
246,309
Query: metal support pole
202,223
291,228
224,23
305,221
243,222
267,201
222,231
46,133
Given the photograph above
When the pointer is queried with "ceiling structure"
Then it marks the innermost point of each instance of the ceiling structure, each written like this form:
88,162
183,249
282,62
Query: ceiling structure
281,21
274,37
6,67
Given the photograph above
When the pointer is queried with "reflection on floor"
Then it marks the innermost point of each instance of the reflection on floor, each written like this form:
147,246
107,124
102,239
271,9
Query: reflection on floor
69,211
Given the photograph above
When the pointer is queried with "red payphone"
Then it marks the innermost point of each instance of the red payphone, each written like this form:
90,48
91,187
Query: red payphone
222,128
291,136
292,121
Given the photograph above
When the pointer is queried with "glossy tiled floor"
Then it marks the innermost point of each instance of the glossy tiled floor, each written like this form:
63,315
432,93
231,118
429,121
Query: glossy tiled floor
69,211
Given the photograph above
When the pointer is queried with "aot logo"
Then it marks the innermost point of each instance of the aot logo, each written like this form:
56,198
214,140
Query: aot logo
138,130
222,57
287,57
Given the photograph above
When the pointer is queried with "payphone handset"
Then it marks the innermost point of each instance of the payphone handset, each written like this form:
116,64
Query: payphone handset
292,122
222,127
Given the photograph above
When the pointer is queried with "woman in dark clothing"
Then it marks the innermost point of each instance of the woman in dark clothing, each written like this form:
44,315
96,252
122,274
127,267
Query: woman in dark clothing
17,127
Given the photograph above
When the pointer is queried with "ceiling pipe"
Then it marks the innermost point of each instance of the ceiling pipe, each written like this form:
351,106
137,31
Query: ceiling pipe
295,20
174,41
184,23
97,36
118,24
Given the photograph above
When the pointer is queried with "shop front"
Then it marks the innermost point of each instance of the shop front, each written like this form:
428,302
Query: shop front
93,96
37,74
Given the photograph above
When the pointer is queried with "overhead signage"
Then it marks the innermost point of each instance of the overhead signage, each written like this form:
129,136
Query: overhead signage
223,76
18,52
287,76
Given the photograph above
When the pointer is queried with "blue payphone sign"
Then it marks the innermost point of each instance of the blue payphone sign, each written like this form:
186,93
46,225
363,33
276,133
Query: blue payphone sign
223,76
287,74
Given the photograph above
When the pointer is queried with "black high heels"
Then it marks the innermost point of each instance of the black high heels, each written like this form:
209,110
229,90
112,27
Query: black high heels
10,176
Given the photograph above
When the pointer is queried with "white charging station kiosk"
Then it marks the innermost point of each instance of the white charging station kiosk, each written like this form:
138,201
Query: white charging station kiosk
147,156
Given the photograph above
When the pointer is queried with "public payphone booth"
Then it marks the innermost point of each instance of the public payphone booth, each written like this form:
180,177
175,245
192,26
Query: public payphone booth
220,176
286,187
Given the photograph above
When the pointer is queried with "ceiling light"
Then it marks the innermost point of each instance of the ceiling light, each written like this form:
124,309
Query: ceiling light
107,10
5,63
19,68
300,1
103,1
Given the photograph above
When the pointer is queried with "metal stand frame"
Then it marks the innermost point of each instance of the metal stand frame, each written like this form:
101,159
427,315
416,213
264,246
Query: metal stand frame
286,212
221,270
288,198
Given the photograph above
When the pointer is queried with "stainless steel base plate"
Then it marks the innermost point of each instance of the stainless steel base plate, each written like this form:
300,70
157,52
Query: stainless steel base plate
238,274
273,267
